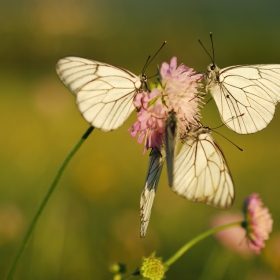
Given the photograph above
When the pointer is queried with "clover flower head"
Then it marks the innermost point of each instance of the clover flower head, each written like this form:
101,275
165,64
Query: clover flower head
177,91
152,268
258,222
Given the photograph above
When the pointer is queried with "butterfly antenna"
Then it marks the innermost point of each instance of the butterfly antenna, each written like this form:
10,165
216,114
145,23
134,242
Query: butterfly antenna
211,38
229,120
154,75
206,51
240,149
149,60
146,64
208,102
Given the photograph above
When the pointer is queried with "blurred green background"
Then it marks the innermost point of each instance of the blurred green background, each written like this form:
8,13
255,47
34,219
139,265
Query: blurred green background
92,219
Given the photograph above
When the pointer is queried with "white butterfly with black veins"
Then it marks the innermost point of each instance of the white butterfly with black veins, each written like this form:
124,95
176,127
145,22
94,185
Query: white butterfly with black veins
104,93
201,172
157,158
247,94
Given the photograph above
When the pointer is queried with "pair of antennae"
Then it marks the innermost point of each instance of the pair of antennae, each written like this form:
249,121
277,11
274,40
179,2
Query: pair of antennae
149,60
213,53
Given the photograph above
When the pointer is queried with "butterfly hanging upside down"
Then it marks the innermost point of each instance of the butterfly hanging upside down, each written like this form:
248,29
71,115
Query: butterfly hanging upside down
201,173
247,94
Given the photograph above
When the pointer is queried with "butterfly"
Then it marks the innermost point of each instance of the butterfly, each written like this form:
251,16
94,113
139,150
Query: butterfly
157,158
201,172
104,92
247,94
171,134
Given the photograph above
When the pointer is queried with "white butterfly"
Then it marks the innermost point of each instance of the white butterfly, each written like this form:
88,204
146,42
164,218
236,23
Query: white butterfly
157,158
245,93
171,134
201,172
104,93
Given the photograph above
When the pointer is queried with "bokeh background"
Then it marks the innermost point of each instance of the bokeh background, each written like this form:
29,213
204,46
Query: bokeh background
92,219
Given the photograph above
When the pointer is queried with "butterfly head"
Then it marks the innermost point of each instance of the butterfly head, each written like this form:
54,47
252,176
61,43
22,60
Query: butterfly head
212,75
144,78
212,67
144,81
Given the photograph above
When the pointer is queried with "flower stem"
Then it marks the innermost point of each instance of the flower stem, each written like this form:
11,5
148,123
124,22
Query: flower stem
136,272
188,245
44,202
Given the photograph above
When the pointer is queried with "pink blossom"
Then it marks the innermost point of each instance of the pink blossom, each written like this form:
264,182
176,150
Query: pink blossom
258,222
150,119
177,91
232,237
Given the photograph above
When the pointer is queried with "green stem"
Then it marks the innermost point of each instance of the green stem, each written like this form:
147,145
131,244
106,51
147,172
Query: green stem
188,245
44,202
136,272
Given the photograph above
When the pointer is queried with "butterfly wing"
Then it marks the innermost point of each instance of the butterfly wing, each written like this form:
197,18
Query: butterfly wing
104,93
171,133
201,173
149,191
247,94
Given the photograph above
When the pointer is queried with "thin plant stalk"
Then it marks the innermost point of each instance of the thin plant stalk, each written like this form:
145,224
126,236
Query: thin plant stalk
45,200
135,273
195,240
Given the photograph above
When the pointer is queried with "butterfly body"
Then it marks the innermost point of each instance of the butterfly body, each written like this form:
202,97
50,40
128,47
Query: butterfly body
171,134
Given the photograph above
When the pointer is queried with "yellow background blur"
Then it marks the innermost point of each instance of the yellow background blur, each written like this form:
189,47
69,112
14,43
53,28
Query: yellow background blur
92,219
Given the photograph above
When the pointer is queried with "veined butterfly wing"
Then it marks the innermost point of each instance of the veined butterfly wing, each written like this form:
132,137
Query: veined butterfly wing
104,93
171,134
247,94
149,191
201,172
